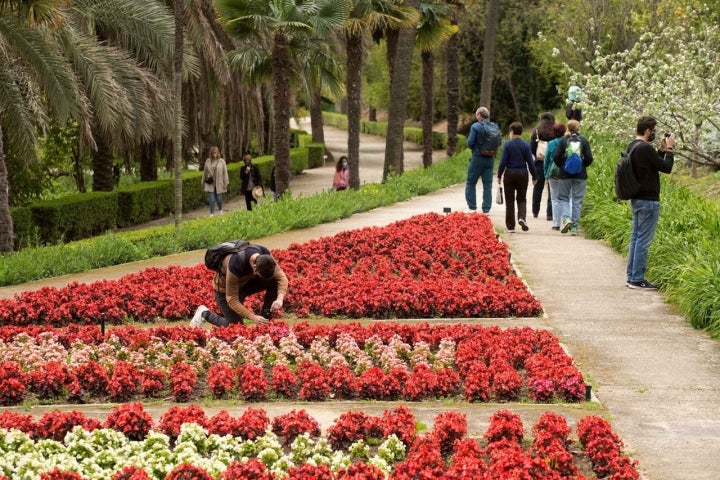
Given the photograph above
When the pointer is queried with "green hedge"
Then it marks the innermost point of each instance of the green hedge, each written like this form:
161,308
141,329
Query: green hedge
87,214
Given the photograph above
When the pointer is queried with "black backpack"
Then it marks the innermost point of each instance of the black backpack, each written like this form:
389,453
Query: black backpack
626,184
215,255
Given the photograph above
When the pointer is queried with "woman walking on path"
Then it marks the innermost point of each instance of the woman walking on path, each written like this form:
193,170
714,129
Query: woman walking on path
538,145
515,163
249,179
551,173
215,180
572,186
341,177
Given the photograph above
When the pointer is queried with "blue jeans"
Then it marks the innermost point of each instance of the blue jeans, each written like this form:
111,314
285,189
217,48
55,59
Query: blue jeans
553,186
645,214
571,193
479,167
215,197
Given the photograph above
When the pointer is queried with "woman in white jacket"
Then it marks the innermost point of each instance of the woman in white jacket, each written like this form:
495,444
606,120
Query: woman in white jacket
215,180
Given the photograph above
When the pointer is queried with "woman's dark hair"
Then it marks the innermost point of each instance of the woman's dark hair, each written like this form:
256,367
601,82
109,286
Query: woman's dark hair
545,127
559,130
338,164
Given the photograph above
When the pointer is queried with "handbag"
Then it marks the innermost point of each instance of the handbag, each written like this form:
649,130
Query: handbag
499,197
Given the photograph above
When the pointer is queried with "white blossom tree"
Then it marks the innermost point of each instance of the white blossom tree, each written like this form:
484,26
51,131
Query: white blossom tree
672,75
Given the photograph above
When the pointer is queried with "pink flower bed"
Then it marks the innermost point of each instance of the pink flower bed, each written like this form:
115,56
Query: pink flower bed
444,452
427,266
381,361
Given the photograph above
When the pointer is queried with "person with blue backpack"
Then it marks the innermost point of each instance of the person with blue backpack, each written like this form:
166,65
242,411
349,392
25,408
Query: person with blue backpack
484,140
572,157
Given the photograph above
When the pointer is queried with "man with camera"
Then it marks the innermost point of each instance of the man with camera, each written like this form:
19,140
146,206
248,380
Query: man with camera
647,163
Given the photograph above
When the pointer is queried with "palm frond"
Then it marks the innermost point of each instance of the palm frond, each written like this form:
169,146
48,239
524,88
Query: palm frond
16,119
50,69
144,28
252,63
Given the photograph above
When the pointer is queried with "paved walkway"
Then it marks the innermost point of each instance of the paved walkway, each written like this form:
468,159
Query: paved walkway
657,379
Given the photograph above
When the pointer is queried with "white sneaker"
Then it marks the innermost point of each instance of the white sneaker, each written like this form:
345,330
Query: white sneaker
470,211
198,319
220,212
212,214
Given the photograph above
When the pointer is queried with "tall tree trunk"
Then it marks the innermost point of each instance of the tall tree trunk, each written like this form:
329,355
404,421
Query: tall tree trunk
78,170
281,68
453,91
428,74
399,86
316,122
353,88
148,162
177,134
491,27
7,234
102,163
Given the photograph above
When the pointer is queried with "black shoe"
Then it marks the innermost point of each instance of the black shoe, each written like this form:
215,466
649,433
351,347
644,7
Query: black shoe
523,225
643,284
556,228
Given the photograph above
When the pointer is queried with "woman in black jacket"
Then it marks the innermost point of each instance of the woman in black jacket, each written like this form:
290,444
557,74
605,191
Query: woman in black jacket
538,143
249,179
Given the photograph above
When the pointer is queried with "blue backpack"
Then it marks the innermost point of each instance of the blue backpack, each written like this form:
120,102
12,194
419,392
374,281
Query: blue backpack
573,156
491,139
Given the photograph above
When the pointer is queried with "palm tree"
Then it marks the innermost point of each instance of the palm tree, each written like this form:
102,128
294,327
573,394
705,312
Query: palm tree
399,87
99,62
288,27
435,28
365,17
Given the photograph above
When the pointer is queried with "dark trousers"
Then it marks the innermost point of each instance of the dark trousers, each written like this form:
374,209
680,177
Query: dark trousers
255,285
249,199
538,191
515,185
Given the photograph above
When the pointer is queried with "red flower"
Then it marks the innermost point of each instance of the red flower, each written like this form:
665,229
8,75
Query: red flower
253,423
221,379
175,416
253,469
12,383
182,381
56,424
130,419
253,383
186,471
292,424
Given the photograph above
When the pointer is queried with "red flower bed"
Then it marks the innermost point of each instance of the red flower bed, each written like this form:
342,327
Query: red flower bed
427,266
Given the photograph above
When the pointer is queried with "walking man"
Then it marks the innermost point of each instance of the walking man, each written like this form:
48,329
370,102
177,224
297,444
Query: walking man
484,140
647,163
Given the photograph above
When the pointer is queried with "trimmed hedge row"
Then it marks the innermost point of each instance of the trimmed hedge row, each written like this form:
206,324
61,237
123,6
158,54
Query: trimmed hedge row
85,215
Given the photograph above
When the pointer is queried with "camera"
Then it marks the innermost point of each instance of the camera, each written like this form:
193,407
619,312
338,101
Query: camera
668,134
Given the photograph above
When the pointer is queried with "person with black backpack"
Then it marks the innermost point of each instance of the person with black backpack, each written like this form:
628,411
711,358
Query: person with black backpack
572,157
647,163
484,140
244,270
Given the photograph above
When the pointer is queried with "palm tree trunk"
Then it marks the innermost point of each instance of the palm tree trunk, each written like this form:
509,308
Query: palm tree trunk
452,92
491,26
353,88
428,74
7,235
399,87
316,122
102,164
177,134
281,67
